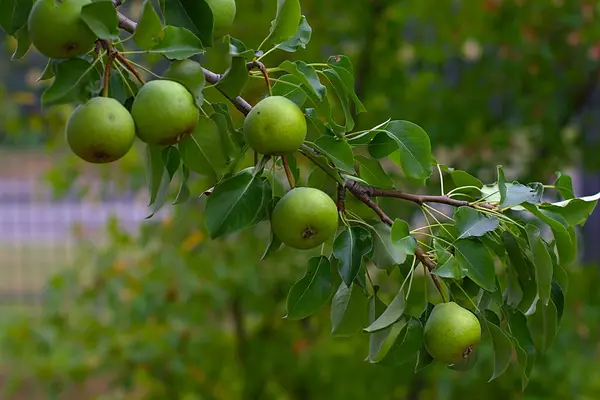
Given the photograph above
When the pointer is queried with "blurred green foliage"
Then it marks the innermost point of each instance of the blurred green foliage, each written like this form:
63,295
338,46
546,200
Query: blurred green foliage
167,314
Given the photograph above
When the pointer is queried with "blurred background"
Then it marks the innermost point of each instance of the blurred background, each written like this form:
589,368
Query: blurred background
96,302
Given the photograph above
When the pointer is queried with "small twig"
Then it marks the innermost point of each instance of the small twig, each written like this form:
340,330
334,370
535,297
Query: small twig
341,198
422,199
111,53
363,194
106,78
130,67
288,172
257,64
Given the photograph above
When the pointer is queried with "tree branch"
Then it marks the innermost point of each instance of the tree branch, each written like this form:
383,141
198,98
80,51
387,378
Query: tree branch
341,198
240,104
363,193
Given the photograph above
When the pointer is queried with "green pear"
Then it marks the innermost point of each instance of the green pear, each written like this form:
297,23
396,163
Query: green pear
451,333
276,125
304,218
56,29
164,112
100,131
223,15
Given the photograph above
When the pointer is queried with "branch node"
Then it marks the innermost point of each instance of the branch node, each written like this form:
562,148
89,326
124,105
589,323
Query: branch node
341,198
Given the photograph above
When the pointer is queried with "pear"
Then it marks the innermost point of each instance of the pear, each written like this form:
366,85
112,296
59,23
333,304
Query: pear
451,333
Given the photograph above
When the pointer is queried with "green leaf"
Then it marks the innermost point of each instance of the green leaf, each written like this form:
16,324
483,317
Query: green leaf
513,293
178,44
376,339
564,243
235,78
274,242
338,151
48,71
14,14
23,43
462,178
372,173
558,298
154,170
542,263
478,262
286,21
307,75
344,69
237,203
503,349
386,254
502,189
290,87
516,194
350,247
416,300
466,183
194,15
191,75
231,138
311,292
149,32
424,359
575,211
543,325
564,185
391,314
522,360
74,83
171,160
120,87
349,309
412,144
449,269
472,223
517,257
170,165
202,151
402,345
343,101
519,329
101,18
300,39
401,237
560,275
237,48
184,191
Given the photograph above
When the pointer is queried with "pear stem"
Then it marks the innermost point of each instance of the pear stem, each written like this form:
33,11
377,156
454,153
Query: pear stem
257,64
106,77
288,172
130,67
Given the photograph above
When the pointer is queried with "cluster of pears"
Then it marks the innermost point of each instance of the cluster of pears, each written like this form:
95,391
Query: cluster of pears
305,217
57,30
102,130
